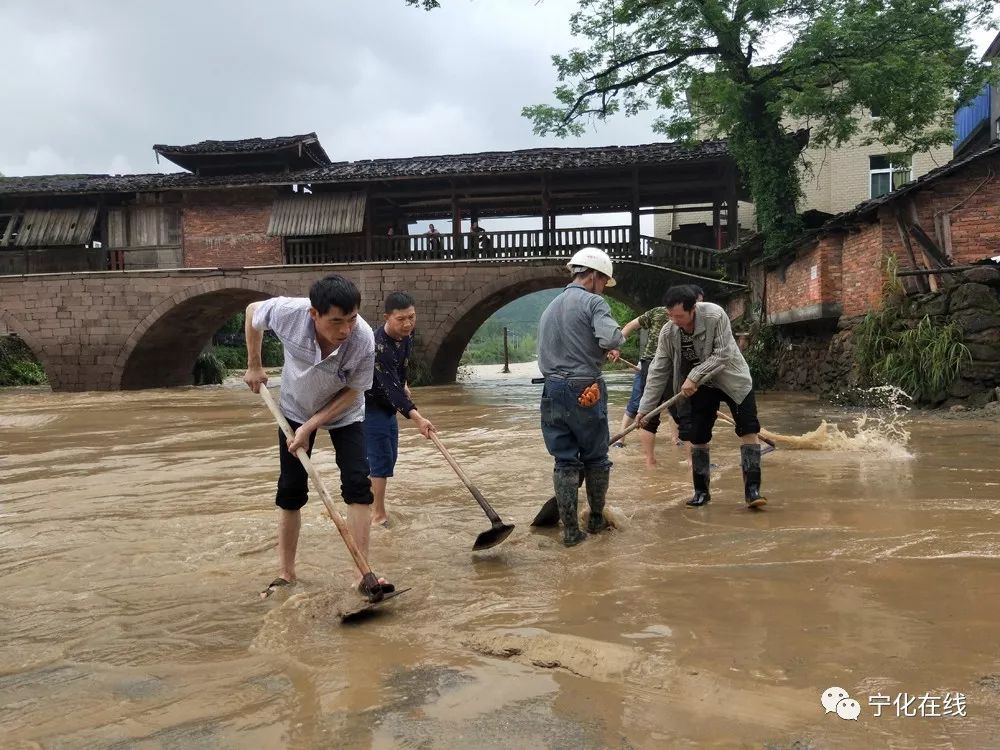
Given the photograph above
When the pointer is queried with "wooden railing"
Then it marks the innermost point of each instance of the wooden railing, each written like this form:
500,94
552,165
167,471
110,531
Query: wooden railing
15,261
509,246
513,245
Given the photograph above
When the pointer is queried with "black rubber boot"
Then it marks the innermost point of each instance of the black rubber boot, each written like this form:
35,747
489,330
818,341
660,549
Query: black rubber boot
566,483
597,489
750,461
700,472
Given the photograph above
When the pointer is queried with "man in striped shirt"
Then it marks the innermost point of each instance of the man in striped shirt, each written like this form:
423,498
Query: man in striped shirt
329,360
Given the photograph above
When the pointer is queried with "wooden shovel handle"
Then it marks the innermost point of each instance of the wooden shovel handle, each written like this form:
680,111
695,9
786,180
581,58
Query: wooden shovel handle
487,508
635,425
665,405
345,532
729,420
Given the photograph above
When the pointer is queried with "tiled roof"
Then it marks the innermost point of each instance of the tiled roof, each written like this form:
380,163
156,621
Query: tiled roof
537,160
244,146
527,160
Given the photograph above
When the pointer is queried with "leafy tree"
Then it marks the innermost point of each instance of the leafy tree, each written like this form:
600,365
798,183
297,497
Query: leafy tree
755,70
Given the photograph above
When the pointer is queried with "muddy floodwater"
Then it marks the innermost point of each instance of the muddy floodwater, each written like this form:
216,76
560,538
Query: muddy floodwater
136,530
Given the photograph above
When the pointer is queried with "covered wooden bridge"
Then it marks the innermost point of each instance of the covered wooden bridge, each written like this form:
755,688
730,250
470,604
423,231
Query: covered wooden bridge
283,201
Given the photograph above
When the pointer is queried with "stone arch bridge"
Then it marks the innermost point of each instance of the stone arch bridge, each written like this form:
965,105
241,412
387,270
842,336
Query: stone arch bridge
144,329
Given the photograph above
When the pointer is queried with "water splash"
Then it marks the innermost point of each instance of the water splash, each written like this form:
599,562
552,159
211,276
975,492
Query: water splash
880,430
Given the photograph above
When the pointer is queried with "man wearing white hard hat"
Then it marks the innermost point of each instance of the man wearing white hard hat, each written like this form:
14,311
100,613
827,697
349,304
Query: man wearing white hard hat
575,334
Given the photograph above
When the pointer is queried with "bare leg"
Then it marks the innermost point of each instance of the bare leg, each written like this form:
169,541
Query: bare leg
648,440
379,514
626,421
359,521
289,523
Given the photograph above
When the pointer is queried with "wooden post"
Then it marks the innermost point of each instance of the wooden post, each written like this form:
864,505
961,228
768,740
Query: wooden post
369,220
456,224
473,238
546,218
634,239
717,223
732,212
506,353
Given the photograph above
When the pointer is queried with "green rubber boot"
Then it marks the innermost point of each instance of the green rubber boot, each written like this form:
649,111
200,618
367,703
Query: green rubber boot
566,482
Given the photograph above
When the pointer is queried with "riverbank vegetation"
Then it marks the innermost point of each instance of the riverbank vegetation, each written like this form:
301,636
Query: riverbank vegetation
18,364
917,353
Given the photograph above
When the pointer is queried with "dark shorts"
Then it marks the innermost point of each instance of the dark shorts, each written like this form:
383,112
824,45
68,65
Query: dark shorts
653,423
696,416
352,460
382,439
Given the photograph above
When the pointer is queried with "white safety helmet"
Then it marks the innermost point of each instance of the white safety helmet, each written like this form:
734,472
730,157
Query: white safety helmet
594,258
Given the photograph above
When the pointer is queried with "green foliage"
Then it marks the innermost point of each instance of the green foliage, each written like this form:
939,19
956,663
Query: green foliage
234,357
521,319
208,369
700,62
762,355
234,325
623,314
922,360
18,364
927,360
486,346
271,353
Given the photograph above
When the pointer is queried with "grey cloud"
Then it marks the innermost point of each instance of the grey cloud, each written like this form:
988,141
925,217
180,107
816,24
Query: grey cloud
100,82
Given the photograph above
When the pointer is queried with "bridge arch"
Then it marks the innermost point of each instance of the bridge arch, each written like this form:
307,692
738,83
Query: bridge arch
161,350
444,349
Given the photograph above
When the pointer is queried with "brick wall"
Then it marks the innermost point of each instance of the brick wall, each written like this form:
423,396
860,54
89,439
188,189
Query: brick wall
971,200
862,269
228,228
811,287
848,269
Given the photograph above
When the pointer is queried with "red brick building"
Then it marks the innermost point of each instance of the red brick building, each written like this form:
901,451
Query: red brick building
948,217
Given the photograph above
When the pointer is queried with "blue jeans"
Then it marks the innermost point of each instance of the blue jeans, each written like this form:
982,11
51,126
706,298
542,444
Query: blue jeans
575,436
382,439
632,407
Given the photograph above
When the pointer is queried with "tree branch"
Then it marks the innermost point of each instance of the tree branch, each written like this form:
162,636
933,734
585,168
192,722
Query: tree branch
645,56
629,82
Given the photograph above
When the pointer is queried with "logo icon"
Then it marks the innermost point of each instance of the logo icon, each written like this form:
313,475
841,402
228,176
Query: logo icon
836,700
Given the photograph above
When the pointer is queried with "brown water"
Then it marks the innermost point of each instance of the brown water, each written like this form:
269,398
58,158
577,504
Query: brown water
137,529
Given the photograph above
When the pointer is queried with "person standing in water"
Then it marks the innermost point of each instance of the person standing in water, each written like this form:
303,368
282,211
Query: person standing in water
575,333
389,394
696,340
329,360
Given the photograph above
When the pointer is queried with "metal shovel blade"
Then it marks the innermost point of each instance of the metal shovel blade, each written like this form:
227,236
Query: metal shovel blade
363,608
493,536
548,515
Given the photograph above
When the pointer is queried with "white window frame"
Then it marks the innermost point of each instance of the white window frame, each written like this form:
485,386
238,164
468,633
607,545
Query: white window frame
892,169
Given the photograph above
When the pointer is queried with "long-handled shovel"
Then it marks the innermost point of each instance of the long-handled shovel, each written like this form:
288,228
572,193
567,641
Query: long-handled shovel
500,530
549,513
369,581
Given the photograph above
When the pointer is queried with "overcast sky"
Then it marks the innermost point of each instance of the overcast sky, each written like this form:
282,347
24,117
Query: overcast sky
91,85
